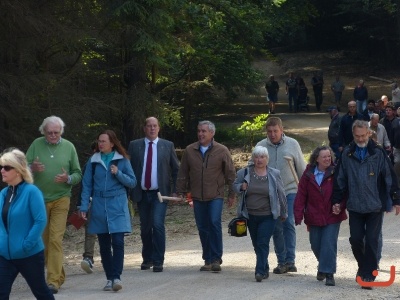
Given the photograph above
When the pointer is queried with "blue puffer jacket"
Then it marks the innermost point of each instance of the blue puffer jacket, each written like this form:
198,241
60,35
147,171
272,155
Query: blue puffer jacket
26,222
109,207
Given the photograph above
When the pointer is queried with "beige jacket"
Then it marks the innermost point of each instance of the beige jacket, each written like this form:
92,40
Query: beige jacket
206,177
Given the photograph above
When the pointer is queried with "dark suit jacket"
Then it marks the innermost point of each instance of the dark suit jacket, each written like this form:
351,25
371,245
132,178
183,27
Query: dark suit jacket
167,166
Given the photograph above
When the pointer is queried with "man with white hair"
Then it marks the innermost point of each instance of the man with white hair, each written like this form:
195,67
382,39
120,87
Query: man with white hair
55,167
206,168
365,174
381,134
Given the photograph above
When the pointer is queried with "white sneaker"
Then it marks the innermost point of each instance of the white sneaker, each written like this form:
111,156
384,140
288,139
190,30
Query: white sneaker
117,285
109,286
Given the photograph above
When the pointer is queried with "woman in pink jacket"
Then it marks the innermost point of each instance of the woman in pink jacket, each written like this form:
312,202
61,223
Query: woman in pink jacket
313,203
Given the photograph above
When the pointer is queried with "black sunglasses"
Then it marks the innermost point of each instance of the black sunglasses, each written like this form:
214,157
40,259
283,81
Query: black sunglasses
6,168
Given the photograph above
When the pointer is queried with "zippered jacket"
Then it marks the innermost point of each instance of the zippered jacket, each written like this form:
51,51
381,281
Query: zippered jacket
109,206
371,183
25,222
206,176
314,202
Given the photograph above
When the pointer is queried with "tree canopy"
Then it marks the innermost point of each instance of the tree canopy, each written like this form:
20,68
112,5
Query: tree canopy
110,64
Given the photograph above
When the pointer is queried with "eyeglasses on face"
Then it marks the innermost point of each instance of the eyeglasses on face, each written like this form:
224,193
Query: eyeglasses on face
6,168
52,132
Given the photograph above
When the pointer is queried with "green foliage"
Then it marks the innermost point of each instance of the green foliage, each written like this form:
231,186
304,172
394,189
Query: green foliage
250,129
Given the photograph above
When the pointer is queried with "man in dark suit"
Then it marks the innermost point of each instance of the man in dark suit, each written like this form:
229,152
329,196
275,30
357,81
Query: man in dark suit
156,166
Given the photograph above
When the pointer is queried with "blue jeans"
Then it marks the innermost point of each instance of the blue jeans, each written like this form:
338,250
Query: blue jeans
208,220
285,235
323,240
31,268
292,98
364,240
112,259
261,229
361,105
152,228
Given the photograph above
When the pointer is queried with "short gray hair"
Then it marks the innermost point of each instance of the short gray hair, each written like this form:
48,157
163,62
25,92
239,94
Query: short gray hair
52,120
210,125
260,151
360,124
375,116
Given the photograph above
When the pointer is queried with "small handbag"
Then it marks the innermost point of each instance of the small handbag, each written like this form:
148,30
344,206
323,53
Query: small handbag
238,227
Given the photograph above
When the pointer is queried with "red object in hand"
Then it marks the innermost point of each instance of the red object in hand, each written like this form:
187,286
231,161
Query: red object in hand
76,220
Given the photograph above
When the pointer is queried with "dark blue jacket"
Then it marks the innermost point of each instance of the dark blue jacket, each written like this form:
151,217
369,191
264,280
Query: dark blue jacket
346,133
360,93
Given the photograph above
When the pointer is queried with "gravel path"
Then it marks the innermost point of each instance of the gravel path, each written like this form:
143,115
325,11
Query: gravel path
182,279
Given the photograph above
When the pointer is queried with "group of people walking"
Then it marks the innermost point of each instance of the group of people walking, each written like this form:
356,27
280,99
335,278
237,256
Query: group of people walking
297,93
36,202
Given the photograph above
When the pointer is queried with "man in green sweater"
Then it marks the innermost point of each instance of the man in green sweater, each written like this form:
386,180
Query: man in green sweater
55,167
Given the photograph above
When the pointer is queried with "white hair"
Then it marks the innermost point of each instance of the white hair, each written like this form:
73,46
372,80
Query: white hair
52,120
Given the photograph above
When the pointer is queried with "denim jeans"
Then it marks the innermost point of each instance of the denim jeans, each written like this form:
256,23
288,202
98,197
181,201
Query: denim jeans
261,229
285,235
208,220
361,105
292,98
323,240
112,254
152,228
31,268
365,226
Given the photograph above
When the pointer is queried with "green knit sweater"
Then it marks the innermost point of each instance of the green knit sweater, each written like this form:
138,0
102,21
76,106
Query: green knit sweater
55,158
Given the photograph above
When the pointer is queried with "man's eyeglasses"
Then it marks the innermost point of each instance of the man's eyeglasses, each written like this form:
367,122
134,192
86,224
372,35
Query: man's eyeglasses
53,132
6,168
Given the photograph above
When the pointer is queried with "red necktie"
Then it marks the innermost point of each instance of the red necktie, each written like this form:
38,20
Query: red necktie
147,174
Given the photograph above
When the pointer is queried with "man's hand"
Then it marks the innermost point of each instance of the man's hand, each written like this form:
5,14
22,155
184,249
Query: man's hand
397,209
231,200
37,166
61,178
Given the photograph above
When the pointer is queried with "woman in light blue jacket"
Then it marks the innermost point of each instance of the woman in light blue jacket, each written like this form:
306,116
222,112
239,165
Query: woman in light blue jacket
263,203
107,177
23,219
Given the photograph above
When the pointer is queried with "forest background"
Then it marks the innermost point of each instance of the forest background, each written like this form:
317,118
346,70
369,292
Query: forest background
109,64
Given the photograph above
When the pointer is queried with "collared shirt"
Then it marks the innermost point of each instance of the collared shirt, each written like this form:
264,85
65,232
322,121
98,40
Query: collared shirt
361,152
319,175
154,180
59,141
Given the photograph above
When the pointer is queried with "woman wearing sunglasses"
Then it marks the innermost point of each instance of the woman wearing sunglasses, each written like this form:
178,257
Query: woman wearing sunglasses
23,219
